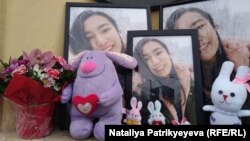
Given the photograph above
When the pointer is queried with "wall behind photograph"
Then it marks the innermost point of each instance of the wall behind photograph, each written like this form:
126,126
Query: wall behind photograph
2,21
29,24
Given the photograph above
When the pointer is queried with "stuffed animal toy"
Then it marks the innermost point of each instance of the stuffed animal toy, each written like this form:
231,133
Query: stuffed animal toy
229,96
183,122
156,117
96,93
133,116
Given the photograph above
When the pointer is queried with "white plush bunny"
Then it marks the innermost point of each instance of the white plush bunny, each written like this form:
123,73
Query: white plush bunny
229,96
156,117
133,116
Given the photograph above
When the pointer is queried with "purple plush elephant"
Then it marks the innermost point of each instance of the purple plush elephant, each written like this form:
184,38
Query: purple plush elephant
96,93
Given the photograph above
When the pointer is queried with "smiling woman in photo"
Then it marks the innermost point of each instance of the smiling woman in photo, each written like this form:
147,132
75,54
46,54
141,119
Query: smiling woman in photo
163,80
213,50
95,30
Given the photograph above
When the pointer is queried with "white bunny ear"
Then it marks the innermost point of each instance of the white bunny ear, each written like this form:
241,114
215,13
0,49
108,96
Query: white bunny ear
226,70
243,76
157,105
133,102
151,107
139,105
242,71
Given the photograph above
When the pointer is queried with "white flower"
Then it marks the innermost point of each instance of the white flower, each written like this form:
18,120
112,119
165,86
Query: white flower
37,70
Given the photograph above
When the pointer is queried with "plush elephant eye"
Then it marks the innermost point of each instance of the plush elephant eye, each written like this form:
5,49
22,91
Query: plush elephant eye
91,57
220,92
87,58
232,94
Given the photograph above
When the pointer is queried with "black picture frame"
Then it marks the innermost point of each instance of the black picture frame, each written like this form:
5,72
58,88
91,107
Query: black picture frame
126,16
224,35
155,4
177,38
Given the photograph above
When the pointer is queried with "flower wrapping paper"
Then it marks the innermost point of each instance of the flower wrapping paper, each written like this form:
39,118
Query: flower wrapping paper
24,91
34,106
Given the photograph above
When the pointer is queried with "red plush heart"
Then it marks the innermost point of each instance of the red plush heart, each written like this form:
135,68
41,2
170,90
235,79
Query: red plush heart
157,123
85,105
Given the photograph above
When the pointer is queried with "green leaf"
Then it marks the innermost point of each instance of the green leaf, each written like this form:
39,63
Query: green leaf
4,64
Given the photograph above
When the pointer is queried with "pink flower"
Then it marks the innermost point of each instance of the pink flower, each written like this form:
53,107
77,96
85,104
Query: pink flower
44,60
53,73
19,70
63,62
48,82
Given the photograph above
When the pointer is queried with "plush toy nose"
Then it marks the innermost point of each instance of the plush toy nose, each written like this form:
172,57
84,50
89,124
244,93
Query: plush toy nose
88,67
225,97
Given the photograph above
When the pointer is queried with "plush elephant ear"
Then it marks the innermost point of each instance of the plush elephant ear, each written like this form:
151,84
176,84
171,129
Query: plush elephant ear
122,59
75,62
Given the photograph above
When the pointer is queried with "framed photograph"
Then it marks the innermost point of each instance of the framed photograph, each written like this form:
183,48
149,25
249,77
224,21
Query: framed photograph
102,26
168,72
223,31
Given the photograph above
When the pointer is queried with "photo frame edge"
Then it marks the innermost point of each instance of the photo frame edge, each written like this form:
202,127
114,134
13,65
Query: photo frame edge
197,68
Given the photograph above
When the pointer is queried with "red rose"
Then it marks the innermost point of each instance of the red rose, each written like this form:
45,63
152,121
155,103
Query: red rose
53,73
63,62
60,60
19,70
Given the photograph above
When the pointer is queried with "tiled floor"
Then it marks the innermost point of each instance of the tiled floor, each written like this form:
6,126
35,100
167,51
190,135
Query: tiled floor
56,135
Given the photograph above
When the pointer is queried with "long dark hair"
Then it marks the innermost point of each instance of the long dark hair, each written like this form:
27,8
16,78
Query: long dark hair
77,38
220,54
156,84
174,17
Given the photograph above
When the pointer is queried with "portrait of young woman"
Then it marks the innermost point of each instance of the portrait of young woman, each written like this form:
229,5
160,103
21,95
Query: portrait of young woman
167,71
103,27
99,26
224,34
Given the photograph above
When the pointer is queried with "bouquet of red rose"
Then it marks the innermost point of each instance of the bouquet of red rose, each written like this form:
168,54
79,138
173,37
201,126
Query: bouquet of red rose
33,82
